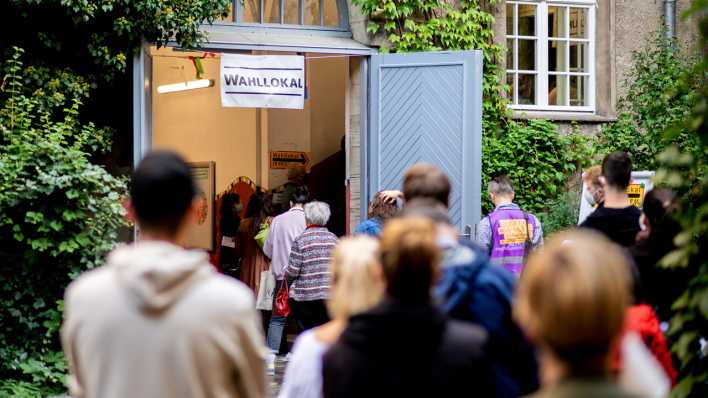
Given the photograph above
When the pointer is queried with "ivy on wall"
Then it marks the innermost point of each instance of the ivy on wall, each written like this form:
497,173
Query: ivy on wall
662,88
534,154
432,25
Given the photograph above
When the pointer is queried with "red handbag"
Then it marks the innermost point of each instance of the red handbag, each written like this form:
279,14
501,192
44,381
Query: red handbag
281,307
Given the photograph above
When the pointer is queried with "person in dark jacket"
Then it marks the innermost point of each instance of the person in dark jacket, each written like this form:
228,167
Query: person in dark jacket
405,347
617,219
470,289
231,206
658,286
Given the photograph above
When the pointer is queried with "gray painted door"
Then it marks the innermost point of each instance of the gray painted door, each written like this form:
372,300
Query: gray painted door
427,107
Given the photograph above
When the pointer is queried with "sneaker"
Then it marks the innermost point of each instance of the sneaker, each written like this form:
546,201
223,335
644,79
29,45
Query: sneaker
270,364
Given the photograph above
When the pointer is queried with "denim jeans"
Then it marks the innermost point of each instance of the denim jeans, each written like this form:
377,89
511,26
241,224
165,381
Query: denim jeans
276,325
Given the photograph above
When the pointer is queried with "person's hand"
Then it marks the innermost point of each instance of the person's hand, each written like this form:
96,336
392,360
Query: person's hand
390,196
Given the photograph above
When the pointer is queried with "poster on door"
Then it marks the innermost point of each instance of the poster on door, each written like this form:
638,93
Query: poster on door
201,233
262,81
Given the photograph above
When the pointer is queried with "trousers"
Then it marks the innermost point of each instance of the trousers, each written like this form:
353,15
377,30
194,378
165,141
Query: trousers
309,314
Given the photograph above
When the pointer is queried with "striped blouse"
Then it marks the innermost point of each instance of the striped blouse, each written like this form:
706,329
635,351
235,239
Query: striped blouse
308,267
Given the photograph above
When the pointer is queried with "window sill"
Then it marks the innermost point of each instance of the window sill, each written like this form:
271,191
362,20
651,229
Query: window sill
562,116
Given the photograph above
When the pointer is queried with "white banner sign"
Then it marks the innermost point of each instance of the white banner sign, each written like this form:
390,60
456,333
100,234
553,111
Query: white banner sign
263,81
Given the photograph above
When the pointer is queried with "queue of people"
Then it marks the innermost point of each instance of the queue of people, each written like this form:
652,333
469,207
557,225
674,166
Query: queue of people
406,307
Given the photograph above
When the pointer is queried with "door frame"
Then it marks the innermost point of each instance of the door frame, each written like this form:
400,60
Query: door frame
142,111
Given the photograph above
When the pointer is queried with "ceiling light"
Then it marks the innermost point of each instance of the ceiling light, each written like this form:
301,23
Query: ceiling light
190,85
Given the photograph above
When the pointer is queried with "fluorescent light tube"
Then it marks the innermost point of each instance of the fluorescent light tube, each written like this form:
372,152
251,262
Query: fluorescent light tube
190,85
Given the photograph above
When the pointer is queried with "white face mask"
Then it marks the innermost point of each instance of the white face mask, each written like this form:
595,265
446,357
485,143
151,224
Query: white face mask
589,197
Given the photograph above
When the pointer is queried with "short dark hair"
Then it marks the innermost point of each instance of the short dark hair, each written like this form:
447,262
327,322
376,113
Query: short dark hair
501,185
301,195
617,169
162,190
424,180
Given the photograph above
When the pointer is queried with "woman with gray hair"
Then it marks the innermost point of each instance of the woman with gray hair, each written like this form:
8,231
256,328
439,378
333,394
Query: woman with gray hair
308,268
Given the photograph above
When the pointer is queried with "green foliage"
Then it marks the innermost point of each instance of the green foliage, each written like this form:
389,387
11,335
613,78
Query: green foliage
431,25
537,158
59,214
686,169
561,213
104,32
661,91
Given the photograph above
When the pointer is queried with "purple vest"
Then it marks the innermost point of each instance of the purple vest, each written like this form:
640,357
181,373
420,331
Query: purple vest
509,234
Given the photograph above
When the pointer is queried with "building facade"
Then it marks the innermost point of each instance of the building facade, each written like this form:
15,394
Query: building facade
566,61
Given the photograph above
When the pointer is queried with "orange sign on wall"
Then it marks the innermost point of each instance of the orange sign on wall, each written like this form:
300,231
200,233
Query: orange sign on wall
289,159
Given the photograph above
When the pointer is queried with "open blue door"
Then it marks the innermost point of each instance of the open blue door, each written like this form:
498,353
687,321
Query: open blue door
427,107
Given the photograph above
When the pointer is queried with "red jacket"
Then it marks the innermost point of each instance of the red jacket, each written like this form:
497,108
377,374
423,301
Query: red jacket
642,320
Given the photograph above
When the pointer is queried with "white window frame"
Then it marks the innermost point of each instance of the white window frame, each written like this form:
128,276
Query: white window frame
541,62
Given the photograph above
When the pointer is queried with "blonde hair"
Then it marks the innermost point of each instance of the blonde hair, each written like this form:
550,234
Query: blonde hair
591,175
356,284
572,296
410,257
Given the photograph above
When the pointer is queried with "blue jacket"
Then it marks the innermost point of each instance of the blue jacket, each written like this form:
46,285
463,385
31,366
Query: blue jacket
371,227
470,289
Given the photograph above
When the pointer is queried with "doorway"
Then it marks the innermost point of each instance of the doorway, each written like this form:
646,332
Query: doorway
240,141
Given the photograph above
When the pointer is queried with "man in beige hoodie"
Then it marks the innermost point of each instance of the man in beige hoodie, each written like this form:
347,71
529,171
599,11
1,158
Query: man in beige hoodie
156,320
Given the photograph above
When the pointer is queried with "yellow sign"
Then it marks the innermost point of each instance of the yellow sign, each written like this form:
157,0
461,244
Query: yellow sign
636,194
515,231
289,159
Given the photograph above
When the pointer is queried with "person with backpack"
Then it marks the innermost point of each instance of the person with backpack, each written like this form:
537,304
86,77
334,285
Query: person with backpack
508,234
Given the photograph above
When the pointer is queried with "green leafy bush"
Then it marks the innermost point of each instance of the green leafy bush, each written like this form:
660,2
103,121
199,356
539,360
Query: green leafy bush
431,25
685,168
537,158
661,91
96,37
59,214
561,213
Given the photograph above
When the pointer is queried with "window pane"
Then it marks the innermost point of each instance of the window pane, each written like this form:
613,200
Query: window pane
527,54
271,11
578,57
312,12
578,86
251,11
578,23
292,12
331,14
510,83
527,89
527,20
557,49
510,19
557,89
510,54
557,18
